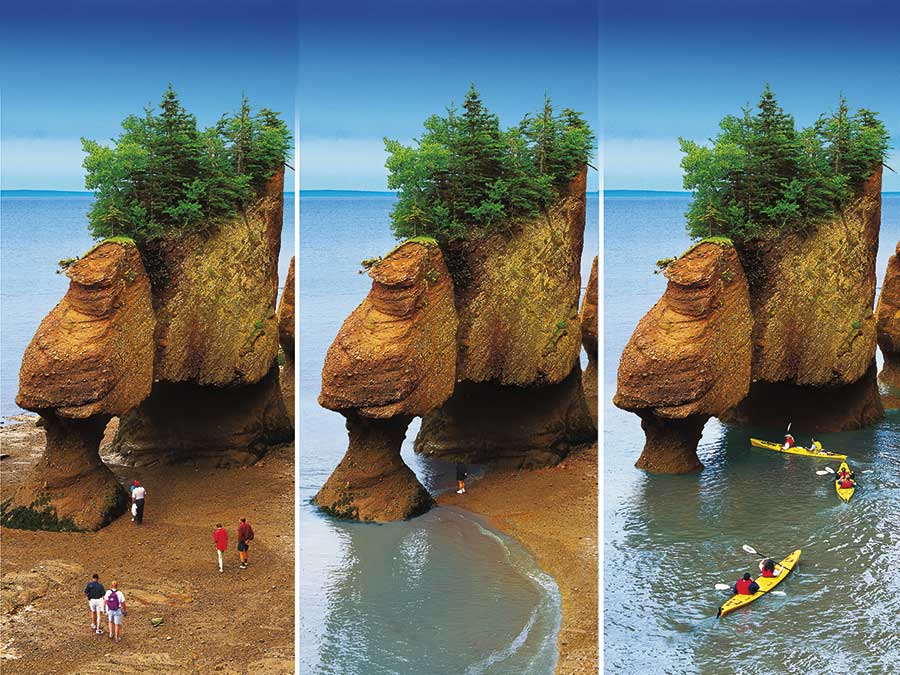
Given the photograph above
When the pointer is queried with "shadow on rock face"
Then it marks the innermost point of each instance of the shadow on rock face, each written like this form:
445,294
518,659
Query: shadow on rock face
509,426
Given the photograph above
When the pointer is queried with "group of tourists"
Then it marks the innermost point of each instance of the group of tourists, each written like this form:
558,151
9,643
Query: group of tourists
244,536
110,602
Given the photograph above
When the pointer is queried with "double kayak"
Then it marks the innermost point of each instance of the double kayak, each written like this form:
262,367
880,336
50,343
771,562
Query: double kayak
777,447
766,584
844,493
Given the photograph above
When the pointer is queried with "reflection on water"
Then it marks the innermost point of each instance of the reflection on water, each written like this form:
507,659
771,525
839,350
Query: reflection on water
441,593
670,539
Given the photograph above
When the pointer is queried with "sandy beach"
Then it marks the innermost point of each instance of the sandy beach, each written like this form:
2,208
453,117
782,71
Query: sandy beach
240,621
552,513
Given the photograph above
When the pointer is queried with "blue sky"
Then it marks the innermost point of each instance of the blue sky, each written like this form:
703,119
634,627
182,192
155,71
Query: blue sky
671,69
384,67
77,69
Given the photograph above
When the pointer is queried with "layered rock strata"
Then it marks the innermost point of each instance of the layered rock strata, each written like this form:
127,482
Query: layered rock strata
517,295
690,356
394,358
286,338
589,340
888,321
217,339
90,359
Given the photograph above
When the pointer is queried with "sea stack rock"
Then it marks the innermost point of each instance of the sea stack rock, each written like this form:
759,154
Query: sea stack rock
814,334
589,340
517,294
888,321
689,357
90,359
216,394
393,359
286,338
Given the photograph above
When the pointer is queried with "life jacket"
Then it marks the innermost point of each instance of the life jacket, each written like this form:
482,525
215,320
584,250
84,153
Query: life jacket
817,446
768,573
846,483
789,441
743,586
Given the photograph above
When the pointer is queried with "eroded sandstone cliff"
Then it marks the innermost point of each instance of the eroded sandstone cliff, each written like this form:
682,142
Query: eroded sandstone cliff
394,358
217,331
690,356
286,339
589,339
888,321
90,359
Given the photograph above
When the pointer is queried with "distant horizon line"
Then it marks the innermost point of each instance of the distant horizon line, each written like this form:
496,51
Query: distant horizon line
613,192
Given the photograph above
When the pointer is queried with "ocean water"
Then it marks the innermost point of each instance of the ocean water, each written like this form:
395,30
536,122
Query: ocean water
670,539
36,231
441,593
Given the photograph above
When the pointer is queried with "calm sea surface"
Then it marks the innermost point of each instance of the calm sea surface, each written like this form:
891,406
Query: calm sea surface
35,233
670,539
441,593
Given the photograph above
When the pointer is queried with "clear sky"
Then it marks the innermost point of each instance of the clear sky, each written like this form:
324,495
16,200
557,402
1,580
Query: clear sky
671,69
381,68
73,69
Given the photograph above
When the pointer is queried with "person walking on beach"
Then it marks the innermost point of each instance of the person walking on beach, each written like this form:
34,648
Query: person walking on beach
220,536
114,604
137,498
245,536
94,593
461,475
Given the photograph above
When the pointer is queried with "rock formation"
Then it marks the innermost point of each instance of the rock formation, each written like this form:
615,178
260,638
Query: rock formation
393,359
217,332
689,357
517,294
90,359
812,333
814,330
286,338
888,321
588,320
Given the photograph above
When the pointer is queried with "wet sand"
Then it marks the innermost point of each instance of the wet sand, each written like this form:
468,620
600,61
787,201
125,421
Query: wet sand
552,513
240,621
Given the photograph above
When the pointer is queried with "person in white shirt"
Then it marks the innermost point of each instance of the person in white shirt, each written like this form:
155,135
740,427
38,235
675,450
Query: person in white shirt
114,604
137,498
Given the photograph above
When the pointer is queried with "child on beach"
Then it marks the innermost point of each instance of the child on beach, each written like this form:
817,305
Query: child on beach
461,475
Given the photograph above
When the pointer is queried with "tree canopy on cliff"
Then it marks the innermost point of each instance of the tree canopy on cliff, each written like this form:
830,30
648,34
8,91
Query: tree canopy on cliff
762,176
164,176
467,177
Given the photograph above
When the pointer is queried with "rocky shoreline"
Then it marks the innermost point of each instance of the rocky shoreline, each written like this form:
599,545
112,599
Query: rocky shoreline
241,621
552,512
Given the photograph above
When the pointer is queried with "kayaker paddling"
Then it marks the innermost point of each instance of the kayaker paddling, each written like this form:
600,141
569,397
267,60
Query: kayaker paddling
746,586
768,569
788,441
816,446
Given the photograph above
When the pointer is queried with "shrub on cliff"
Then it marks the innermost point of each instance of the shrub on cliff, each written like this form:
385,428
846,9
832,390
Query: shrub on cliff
163,175
465,176
763,177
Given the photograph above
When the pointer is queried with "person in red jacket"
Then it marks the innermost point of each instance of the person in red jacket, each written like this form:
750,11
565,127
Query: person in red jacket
220,536
245,536
746,586
767,568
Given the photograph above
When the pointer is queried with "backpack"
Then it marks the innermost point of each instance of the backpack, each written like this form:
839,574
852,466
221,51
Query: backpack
112,602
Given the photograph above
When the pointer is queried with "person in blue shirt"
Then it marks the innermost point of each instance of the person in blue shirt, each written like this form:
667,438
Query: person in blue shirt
94,593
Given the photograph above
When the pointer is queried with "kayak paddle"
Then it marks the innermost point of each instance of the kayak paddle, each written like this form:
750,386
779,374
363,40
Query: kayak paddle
726,587
825,471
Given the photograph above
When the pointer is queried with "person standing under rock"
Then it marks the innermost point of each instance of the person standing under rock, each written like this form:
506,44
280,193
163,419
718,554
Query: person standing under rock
220,536
137,497
94,593
245,536
114,603
461,474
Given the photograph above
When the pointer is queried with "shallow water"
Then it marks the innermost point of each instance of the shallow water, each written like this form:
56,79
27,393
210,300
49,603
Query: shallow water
670,539
441,593
36,232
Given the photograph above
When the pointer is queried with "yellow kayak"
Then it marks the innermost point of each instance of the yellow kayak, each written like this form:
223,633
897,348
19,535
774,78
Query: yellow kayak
766,584
796,450
844,493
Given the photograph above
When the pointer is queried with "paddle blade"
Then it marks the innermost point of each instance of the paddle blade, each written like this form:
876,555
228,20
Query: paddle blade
821,473
829,469
723,587
777,592
749,549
